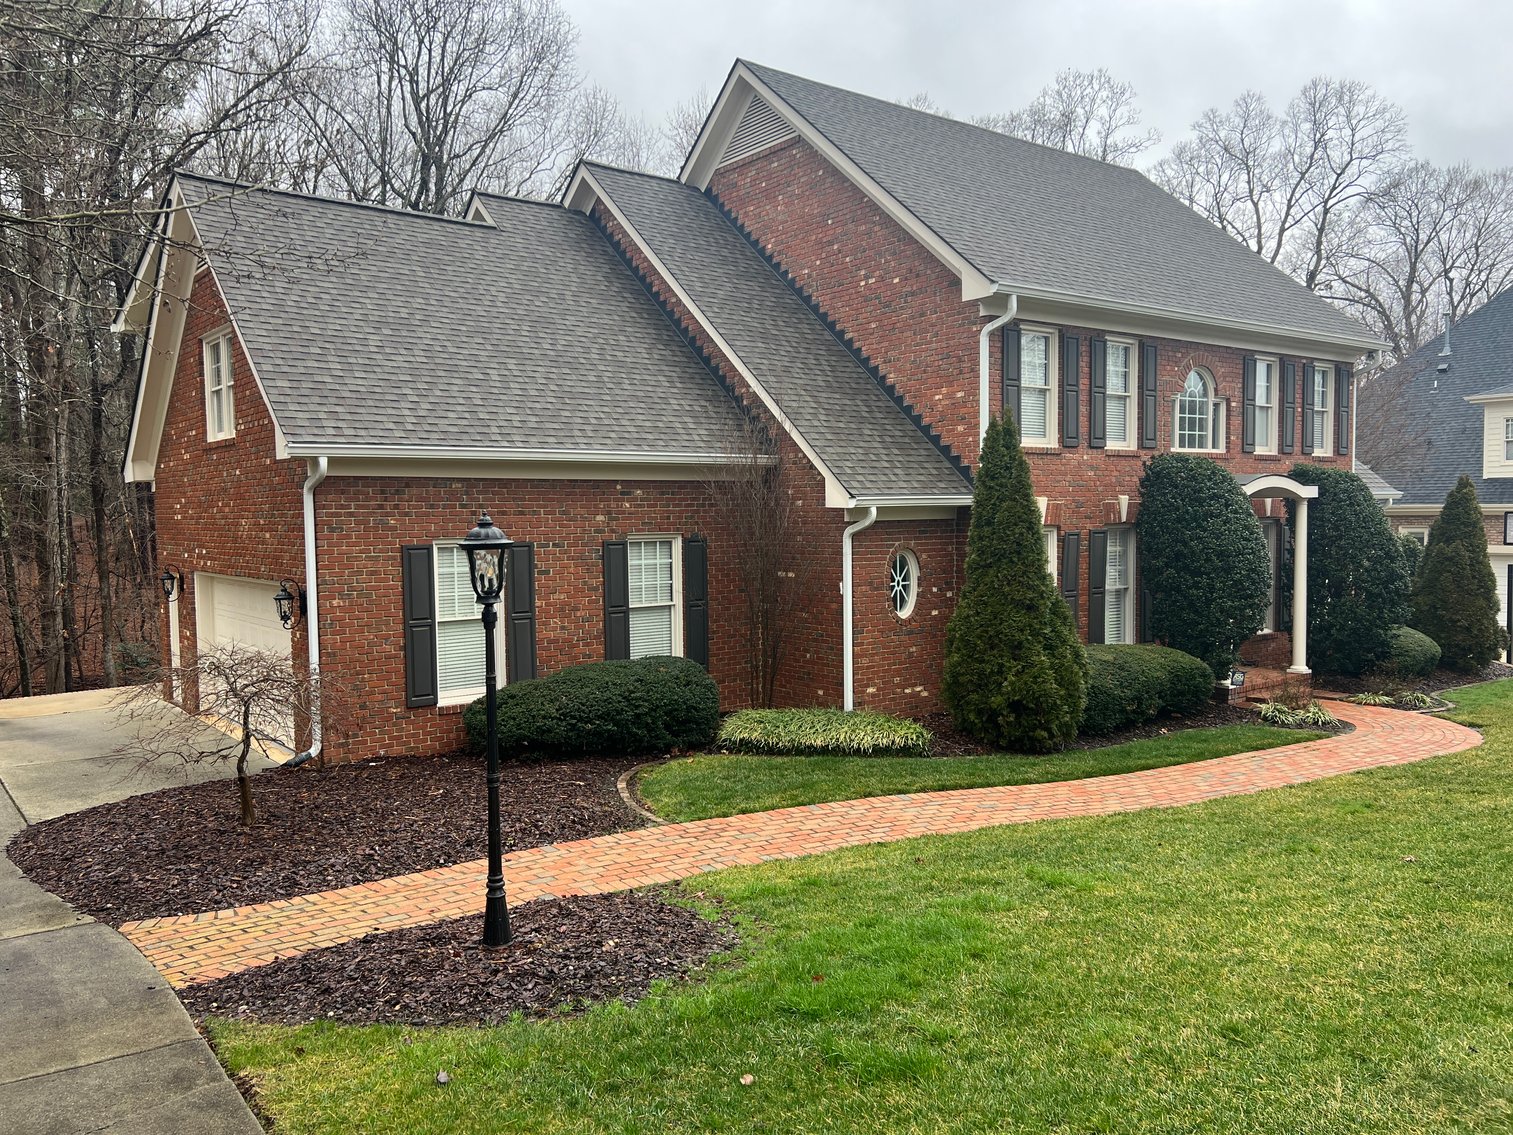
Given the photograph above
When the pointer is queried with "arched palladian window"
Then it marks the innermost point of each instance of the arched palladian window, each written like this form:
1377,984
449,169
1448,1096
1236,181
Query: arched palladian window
1200,414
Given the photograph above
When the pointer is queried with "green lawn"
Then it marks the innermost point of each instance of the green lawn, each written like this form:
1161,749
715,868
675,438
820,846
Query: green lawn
1336,957
698,787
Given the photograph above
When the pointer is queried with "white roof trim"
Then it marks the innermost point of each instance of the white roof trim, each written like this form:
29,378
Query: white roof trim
703,159
1490,399
454,453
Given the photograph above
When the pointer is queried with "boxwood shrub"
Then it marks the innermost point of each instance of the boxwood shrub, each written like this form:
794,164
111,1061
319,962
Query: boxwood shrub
1414,654
823,732
648,705
1132,684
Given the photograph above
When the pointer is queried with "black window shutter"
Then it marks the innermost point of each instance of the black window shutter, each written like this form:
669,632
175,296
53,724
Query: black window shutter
696,600
520,614
1248,428
418,584
1289,403
1306,382
1342,410
1071,386
1097,583
1011,373
616,600
1149,411
1097,393
1071,557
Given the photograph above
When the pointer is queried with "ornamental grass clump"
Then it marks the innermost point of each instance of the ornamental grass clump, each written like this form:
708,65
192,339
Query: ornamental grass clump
1455,595
1202,557
1311,716
806,732
1357,580
1015,674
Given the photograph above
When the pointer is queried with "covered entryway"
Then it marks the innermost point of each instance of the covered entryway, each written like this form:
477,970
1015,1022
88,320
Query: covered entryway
229,610
1275,486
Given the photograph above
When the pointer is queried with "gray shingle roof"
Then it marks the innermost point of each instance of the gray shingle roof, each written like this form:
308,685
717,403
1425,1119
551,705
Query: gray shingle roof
1431,433
1045,221
855,427
372,326
1380,489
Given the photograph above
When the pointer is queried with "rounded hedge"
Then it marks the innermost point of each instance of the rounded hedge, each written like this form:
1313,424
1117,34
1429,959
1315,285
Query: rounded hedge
1202,557
1414,654
608,709
1131,684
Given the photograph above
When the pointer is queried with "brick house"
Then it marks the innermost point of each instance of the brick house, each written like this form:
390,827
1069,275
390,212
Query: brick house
1444,411
332,392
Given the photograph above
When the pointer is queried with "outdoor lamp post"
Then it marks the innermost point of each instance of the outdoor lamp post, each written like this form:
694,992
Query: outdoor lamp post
488,551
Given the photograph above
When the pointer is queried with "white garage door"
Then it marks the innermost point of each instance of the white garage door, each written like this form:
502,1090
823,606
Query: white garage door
230,610
1501,565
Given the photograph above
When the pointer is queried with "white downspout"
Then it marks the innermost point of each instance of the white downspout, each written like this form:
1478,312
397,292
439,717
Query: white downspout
848,697
318,471
984,363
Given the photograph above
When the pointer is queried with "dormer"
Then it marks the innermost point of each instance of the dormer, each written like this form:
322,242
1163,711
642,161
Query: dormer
1497,432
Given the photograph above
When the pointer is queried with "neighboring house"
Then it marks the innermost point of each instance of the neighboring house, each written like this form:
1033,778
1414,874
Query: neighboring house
1381,492
1444,411
331,393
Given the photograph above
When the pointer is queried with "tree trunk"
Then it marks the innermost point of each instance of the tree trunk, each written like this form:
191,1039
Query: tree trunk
243,781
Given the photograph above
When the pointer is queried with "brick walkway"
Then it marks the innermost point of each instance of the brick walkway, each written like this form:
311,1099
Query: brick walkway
200,947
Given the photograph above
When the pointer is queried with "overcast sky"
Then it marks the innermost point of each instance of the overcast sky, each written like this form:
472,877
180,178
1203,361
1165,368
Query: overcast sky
1446,62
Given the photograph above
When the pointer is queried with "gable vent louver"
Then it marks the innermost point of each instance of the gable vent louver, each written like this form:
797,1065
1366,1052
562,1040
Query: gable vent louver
759,128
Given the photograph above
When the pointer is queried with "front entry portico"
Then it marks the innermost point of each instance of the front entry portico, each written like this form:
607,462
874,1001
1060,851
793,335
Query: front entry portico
1276,486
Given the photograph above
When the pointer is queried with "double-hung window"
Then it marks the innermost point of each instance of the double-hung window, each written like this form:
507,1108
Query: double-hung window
1200,414
459,630
1037,387
1266,406
654,586
1507,439
1119,380
1320,433
220,414
1052,538
1118,620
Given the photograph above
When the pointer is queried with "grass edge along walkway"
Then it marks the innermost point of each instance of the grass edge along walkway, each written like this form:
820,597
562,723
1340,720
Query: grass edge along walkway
201,947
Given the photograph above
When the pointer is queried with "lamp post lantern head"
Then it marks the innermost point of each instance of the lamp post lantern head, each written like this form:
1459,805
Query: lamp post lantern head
486,547
172,583
289,594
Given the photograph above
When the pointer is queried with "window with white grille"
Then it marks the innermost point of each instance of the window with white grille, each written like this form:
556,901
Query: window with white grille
1320,434
653,572
1119,382
1037,387
220,413
1200,415
459,630
1266,401
1118,621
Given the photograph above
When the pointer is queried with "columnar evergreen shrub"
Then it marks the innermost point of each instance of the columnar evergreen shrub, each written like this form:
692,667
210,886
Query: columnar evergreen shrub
1015,674
1202,557
649,705
1357,583
1131,684
1455,595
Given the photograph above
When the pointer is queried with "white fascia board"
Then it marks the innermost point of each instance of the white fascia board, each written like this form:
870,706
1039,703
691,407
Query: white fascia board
151,251
587,191
477,211
1138,319
1490,399
464,453
567,467
955,501
931,511
699,170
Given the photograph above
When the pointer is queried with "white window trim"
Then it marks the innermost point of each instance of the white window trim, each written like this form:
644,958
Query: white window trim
1507,440
1052,385
1268,444
464,697
913,603
1218,416
1052,537
679,647
1418,531
1324,446
222,339
1131,595
1131,426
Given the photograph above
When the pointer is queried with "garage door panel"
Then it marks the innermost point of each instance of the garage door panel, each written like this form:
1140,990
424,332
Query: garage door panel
237,611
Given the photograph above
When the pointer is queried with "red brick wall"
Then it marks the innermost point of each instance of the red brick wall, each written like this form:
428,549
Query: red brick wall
229,507
1492,521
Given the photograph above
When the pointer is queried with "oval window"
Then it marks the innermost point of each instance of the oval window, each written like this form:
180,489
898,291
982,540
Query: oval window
903,583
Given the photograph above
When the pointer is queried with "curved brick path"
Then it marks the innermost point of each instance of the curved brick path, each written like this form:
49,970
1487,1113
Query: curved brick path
200,947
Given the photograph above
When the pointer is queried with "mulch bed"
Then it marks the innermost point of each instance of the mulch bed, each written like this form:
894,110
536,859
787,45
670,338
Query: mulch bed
1439,680
950,742
183,850
565,955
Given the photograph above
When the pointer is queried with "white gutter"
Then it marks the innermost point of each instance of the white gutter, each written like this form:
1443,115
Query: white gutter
318,469
848,698
984,385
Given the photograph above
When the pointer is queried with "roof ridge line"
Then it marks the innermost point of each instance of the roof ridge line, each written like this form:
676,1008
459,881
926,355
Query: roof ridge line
846,342
255,187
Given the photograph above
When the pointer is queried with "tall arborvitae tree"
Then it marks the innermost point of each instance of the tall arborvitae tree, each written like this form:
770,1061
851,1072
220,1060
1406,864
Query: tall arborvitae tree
1455,595
1202,557
1357,581
1015,674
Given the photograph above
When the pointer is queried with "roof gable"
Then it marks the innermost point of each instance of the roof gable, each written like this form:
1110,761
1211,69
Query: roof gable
1036,220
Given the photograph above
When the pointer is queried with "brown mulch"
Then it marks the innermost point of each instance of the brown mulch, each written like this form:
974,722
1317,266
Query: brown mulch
565,955
951,742
183,850
1439,680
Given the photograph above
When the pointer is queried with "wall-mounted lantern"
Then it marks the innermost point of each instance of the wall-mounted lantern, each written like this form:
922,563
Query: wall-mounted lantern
290,602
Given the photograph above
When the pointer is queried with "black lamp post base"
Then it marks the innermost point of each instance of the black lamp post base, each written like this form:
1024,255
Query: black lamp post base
496,923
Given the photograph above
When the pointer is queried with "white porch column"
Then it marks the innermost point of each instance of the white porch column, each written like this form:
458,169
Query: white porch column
1300,589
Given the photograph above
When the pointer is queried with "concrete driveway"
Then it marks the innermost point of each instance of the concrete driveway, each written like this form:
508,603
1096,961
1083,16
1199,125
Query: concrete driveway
91,1038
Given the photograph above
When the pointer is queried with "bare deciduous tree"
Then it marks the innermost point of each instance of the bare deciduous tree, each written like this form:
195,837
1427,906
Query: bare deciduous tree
1083,112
